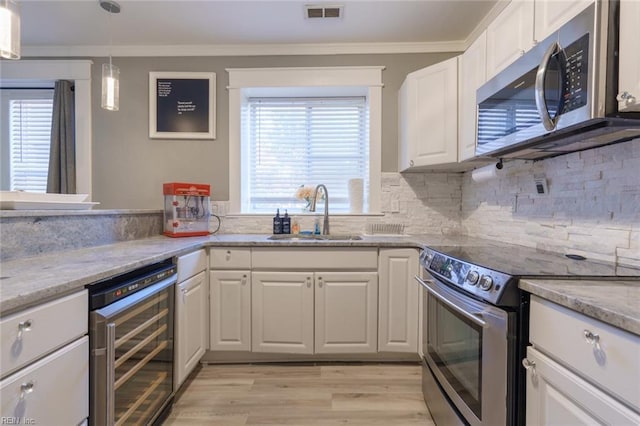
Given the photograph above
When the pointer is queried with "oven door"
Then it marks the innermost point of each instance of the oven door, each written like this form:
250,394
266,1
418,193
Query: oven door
466,348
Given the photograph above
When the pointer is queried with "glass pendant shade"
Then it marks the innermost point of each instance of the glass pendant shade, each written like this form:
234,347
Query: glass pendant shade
9,29
110,87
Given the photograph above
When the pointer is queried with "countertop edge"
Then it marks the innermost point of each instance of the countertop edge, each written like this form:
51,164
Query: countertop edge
135,254
554,291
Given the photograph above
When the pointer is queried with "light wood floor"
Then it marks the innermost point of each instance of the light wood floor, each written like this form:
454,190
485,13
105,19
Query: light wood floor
323,394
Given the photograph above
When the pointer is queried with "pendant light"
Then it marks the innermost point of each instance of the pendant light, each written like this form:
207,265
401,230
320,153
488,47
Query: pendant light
9,29
110,72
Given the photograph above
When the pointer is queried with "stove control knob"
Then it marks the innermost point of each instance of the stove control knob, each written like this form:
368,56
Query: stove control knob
486,282
472,277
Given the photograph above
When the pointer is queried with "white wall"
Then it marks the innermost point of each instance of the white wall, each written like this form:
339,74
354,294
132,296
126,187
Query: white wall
593,206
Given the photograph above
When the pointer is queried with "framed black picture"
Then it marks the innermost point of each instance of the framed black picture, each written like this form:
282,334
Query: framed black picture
182,105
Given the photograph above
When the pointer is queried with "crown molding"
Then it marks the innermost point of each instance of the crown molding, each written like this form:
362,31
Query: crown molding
484,23
244,49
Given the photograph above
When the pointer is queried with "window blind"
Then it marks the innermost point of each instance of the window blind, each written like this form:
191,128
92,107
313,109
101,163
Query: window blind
304,141
501,119
29,139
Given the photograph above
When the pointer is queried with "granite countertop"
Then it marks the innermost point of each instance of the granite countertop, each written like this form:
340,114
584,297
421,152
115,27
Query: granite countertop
613,302
30,281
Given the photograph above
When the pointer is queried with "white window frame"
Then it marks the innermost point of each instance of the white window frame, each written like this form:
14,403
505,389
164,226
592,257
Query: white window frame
7,96
325,81
36,72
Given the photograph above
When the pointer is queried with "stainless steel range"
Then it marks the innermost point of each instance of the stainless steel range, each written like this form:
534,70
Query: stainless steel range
475,328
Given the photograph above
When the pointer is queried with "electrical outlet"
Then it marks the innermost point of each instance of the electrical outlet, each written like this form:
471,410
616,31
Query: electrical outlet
540,181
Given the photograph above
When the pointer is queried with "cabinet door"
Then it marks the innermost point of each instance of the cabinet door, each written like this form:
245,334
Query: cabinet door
509,36
629,74
550,15
230,310
398,301
282,312
191,327
556,396
346,310
428,125
52,391
473,74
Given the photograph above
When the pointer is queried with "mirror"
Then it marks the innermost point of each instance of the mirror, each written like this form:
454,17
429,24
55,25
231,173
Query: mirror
30,73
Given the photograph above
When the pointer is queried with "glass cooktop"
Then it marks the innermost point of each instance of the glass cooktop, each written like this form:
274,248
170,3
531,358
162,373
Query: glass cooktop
520,261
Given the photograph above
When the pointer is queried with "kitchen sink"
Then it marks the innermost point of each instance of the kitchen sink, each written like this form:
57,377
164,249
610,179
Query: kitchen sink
332,237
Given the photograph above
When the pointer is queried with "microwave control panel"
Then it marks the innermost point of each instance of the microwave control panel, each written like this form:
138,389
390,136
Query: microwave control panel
576,75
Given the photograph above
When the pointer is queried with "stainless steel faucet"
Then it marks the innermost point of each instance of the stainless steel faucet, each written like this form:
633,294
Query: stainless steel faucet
312,207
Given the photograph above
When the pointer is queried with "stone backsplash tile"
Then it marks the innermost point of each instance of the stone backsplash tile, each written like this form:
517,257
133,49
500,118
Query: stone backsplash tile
33,234
593,205
593,209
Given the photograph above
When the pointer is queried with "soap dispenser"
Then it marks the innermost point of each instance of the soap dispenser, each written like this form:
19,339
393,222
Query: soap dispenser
277,223
286,223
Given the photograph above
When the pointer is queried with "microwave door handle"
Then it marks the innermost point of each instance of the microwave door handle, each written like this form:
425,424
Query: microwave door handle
541,103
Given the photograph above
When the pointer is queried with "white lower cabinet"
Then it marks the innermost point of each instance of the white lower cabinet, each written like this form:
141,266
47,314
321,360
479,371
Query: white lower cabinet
191,333
399,300
230,307
346,312
44,362
282,312
314,312
556,396
580,371
51,391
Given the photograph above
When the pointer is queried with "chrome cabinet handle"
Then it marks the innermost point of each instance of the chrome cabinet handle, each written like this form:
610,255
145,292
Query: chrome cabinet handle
627,97
244,279
23,326
26,388
308,281
320,282
528,365
531,366
411,163
228,256
592,338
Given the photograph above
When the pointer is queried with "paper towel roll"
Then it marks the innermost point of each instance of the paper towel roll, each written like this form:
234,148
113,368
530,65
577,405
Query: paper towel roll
485,173
355,195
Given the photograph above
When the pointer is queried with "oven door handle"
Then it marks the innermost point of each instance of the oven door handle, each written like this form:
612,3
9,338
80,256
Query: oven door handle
470,316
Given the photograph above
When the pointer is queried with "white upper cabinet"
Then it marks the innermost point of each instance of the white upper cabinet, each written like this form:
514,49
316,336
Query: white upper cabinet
428,116
472,74
629,77
550,15
509,36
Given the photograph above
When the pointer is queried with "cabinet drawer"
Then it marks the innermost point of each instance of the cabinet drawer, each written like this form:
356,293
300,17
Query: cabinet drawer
52,391
612,363
230,258
314,259
190,264
44,329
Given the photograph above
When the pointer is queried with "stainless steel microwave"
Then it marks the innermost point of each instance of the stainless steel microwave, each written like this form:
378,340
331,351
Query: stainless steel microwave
560,96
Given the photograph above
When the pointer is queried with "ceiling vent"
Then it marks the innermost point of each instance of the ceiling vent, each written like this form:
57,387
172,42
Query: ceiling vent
317,11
